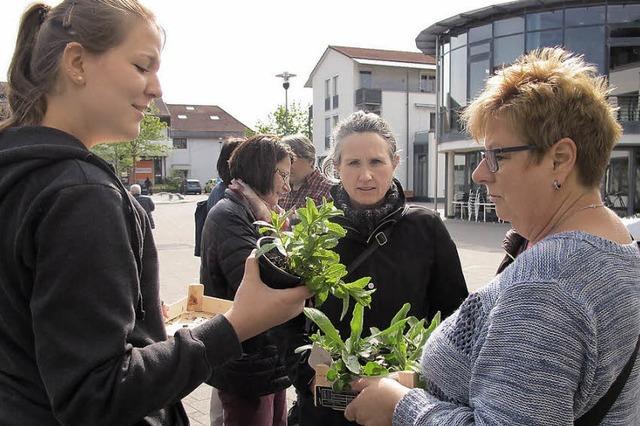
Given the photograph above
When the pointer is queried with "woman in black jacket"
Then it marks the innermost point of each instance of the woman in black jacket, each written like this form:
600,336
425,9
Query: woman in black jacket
82,337
253,388
415,261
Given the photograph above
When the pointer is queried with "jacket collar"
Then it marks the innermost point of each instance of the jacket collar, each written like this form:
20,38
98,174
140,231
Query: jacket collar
241,201
384,223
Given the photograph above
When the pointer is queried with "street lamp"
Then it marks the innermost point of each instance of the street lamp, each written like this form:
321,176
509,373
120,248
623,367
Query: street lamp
285,76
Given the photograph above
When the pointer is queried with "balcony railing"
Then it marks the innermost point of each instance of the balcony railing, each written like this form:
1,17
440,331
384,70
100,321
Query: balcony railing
368,97
628,112
627,107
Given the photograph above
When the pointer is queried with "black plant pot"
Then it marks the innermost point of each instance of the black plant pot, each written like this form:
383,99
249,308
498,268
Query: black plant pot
271,274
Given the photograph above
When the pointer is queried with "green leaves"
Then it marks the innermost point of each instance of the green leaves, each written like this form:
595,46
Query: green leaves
285,121
124,155
356,322
396,348
373,368
325,325
308,250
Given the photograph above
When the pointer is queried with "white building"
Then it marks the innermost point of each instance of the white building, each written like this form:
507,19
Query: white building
196,134
399,86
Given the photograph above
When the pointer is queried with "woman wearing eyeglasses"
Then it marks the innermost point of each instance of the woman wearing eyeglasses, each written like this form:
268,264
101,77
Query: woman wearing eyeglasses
251,389
544,342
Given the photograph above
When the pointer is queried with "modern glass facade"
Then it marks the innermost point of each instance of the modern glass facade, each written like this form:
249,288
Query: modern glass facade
606,33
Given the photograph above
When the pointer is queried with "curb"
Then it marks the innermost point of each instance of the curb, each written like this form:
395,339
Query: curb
163,201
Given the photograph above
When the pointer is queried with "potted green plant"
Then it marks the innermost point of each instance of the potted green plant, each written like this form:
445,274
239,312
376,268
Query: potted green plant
304,254
394,349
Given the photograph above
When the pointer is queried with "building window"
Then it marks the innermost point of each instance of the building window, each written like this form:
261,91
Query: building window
427,83
157,169
336,119
508,26
327,132
445,93
544,20
458,41
624,14
335,92
507,49
589,41
180,143
463,166
584,16
365,80
538,39
478,73
480,33
432,121
327,95
458,98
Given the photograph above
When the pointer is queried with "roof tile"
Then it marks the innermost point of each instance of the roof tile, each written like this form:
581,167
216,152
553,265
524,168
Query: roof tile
199,119
385,55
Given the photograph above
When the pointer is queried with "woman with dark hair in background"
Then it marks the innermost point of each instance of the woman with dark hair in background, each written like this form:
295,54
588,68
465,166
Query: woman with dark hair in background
217,193
253,388
82,338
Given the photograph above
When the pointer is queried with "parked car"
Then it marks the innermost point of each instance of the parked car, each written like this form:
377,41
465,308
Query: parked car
191,186
209,185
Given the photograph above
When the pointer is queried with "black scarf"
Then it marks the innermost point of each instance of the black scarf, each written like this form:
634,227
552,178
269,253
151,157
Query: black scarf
366,220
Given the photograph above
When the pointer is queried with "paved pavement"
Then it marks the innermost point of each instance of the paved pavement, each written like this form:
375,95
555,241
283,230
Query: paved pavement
479,246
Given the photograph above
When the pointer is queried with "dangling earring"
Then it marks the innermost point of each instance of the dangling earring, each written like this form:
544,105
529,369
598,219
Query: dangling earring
556,185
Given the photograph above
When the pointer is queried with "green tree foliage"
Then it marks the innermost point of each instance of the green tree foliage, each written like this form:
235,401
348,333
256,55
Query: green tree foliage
124,155
283,122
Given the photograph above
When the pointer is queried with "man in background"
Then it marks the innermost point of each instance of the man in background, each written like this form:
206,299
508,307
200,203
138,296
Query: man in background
144,201
305,180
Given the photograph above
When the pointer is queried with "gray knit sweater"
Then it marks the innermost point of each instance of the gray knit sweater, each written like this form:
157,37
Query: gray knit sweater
538,345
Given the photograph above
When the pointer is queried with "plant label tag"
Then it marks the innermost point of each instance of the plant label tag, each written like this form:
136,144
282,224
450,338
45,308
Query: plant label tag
319,356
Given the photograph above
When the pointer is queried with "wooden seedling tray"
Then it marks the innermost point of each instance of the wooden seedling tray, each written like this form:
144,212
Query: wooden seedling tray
194,309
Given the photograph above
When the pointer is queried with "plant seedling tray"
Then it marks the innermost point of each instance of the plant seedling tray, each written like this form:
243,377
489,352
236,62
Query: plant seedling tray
325,396
195,309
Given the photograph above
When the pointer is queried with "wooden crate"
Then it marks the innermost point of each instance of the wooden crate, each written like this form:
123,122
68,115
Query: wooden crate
194,309
325,396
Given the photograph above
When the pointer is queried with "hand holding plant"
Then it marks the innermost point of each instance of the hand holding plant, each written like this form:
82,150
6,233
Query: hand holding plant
306,251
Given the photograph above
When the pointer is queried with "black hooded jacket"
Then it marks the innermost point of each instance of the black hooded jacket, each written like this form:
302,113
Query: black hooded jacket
82,340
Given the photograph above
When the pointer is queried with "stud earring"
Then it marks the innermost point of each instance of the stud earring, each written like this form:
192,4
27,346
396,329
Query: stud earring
556,185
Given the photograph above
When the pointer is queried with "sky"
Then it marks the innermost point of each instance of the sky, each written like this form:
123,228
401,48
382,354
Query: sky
227,53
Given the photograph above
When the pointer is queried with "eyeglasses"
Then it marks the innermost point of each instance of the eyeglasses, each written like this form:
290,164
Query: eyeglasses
284,175
491,155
